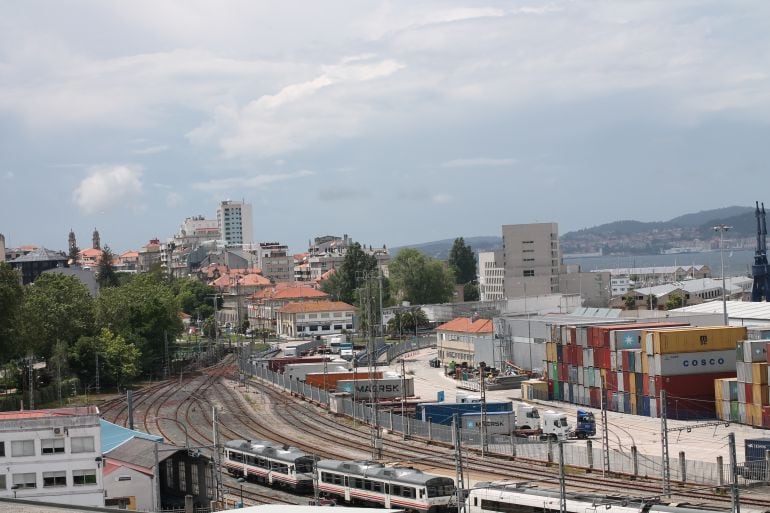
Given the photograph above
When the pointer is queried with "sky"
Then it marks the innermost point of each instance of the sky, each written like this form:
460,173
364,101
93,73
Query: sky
392,122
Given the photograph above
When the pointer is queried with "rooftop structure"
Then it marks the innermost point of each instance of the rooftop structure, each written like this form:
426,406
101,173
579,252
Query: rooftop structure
33,263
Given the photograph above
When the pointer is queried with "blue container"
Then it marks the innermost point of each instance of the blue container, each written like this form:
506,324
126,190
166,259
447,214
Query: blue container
559,353
571,393
444,413
631,361
755,448
626,402
639,382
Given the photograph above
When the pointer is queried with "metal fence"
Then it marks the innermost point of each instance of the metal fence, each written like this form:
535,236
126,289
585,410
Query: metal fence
407,346
625,460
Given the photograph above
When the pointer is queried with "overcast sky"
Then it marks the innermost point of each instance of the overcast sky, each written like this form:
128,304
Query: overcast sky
393,122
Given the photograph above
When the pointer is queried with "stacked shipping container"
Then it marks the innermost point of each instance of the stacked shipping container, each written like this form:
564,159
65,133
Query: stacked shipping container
744,399
637,361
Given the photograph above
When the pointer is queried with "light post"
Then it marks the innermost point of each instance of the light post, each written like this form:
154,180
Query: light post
722,228
240,481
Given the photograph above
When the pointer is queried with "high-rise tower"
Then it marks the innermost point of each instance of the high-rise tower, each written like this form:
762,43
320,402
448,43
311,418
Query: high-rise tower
95,240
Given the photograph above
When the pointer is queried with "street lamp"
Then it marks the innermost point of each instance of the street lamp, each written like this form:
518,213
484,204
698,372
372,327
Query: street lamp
241,481
722,228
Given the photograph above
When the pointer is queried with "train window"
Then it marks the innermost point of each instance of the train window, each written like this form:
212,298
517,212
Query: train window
395,489
304,467
325,478
377,486
280,468
368,485
408,492
422,492
475,501
357,482
387,488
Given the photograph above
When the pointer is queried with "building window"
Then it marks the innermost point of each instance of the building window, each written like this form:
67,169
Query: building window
529,272
2,481
23,448
313,328
182,476
194,479
52,446
54,479
2,449
325,327
27,480
84,477
82,444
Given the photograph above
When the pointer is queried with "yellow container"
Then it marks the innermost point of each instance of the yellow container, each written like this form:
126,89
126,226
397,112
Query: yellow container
754,415
550,351
696,339
759,373
632,383
759,395
645,363
718,394
719,409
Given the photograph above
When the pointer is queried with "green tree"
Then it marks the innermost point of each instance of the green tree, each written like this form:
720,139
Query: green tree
144,312
421,279
105,274
72,256
342,284
462,261
403,323
471,292
630,301
673,302
118,359
11,299
194,297
56,307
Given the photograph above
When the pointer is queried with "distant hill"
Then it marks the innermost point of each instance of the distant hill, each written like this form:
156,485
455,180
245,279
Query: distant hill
695,220
440,248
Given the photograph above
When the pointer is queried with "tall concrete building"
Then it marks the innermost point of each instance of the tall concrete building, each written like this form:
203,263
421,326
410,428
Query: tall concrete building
235,222
531,259
2,247
491,275
275,261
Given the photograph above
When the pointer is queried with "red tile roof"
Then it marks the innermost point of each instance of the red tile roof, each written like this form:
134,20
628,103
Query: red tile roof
254,280
54,412
316,306
467,325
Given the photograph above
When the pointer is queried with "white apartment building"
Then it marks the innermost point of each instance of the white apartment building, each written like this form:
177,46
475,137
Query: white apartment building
313,318
52,456
491,276
197,229
620,284
531,259
235,222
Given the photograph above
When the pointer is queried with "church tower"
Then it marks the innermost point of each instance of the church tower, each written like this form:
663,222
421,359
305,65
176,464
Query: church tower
96,243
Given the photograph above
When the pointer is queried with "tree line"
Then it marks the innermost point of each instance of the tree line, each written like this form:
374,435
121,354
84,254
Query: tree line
56,320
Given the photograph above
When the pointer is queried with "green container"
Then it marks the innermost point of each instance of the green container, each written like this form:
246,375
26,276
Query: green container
739,351
554,374
591,377
733,411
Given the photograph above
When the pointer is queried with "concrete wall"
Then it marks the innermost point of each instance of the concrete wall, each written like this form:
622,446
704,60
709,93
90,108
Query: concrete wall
531,248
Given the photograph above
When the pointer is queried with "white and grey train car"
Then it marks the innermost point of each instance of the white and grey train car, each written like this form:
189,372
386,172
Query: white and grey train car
391,487
509,498
271,463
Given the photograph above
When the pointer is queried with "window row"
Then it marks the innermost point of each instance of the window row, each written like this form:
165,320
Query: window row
49,446
370,485
324,327
52,479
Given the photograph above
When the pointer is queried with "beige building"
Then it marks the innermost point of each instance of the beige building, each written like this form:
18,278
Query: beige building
314,318
466,340
531,259
491,276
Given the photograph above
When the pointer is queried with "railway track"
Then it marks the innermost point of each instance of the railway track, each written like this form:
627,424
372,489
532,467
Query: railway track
213,387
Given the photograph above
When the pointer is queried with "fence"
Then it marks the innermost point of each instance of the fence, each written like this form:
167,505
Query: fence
623,460
396,350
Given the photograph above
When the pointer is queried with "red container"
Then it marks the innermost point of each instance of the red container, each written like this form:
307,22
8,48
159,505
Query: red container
330,379
749,393
766,417
277,364
578,356
550,389
626,365
611,382
691,396
626,381
572,335
596,397
645,384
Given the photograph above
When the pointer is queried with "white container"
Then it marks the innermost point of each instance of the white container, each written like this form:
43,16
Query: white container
497,423
389,388
741,394
755,351
621,386
685,364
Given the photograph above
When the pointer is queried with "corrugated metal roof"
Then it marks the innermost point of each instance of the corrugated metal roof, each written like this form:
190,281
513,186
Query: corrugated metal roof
114,435
745,310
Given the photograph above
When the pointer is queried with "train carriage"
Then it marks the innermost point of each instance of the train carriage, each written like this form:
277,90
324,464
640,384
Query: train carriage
270,463
391,487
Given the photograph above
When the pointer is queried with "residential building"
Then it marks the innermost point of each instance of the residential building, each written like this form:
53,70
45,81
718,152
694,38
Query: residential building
491,276
235,222
14,253
236,286
619,284
275,261
314,318
531,259
149,255
90,258
262,305
693,291
196,230
466,339
2,247
130,472
34,262
328,253
127,262
52,456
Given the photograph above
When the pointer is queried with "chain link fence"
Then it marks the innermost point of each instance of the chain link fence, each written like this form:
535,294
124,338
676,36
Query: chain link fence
626,461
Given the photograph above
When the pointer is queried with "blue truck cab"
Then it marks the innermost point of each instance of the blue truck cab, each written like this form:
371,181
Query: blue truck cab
586,424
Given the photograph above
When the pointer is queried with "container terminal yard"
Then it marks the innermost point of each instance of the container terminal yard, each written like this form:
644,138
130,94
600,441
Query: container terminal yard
264,404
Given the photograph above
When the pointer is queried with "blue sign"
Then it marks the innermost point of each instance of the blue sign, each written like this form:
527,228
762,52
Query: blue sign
440,396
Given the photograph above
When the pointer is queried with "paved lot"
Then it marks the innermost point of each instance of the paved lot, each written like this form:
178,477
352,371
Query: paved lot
701,443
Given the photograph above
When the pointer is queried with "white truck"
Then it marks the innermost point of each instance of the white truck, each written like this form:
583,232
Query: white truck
524,422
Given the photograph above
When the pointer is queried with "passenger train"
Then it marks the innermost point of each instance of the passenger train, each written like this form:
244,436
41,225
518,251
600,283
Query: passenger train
510,498
392,487
271,463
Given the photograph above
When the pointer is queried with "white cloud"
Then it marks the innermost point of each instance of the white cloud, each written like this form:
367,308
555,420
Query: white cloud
150,150
480,162
335,104
249,182
173,199
441,198
9,175
108,187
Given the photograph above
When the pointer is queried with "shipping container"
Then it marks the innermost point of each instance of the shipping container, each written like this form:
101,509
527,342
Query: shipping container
696,339
298,371
601,335
497,423
759,395
329,380
444,413
759,373
707,362
278,364
386,388
758,333
689,396
755,351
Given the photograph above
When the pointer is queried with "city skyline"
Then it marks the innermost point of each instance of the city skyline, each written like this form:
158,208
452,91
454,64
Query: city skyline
395,123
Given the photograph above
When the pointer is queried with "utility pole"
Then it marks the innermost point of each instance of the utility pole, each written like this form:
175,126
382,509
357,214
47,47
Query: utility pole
722,228
165,355
605,433
31,383
734,473
562,480
97,385
459,465
130,401
403,398
483,430
217,462
664,443
375,429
